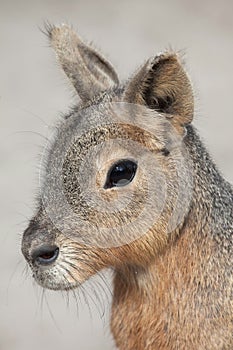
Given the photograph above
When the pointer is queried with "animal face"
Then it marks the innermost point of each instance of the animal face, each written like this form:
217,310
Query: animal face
116,181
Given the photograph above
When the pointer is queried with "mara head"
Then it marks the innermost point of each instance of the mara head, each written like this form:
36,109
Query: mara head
116,181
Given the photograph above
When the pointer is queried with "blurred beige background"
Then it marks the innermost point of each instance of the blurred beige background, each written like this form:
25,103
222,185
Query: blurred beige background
33,92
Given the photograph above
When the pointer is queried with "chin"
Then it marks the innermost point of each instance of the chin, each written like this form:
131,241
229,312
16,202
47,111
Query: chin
55,280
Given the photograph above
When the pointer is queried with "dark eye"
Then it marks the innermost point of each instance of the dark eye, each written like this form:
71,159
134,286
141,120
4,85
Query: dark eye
121,174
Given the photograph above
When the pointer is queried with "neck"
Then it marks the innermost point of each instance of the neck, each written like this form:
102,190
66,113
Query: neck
211,208
178,286
199,231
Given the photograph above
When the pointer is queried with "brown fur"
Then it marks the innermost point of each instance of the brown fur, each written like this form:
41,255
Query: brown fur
172,288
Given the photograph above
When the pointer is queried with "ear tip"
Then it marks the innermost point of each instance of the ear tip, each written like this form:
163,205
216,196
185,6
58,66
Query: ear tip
167,55
47,28
59,33
170,56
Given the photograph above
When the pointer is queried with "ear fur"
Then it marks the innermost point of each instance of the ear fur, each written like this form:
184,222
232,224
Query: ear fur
88,71
162,84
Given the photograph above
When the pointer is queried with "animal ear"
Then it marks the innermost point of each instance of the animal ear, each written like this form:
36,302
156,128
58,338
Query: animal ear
162,84
88,71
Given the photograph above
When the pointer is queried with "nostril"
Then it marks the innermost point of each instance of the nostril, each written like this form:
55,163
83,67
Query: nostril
45,255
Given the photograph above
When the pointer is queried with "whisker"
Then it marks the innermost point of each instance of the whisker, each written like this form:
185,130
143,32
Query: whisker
67,271
25,271
30,132
66,294
95,291
11,278
74,267
41,304
83,290
97,288
52,316
76,301
103,279
37,117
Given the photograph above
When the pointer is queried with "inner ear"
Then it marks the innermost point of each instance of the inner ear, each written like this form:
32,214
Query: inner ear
163,85
88,71
161,104
157,94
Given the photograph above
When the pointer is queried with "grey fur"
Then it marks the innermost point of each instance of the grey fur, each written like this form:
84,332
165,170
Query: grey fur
184,275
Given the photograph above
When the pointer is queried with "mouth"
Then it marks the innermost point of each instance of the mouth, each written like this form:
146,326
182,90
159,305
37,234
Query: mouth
54,278
59,265
52,270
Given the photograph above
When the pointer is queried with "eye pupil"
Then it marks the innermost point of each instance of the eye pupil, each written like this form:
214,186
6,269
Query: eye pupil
121,174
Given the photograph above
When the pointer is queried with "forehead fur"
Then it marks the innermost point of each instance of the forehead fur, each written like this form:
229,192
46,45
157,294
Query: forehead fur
89,126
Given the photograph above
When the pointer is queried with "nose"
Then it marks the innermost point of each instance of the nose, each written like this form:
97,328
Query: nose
45,254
